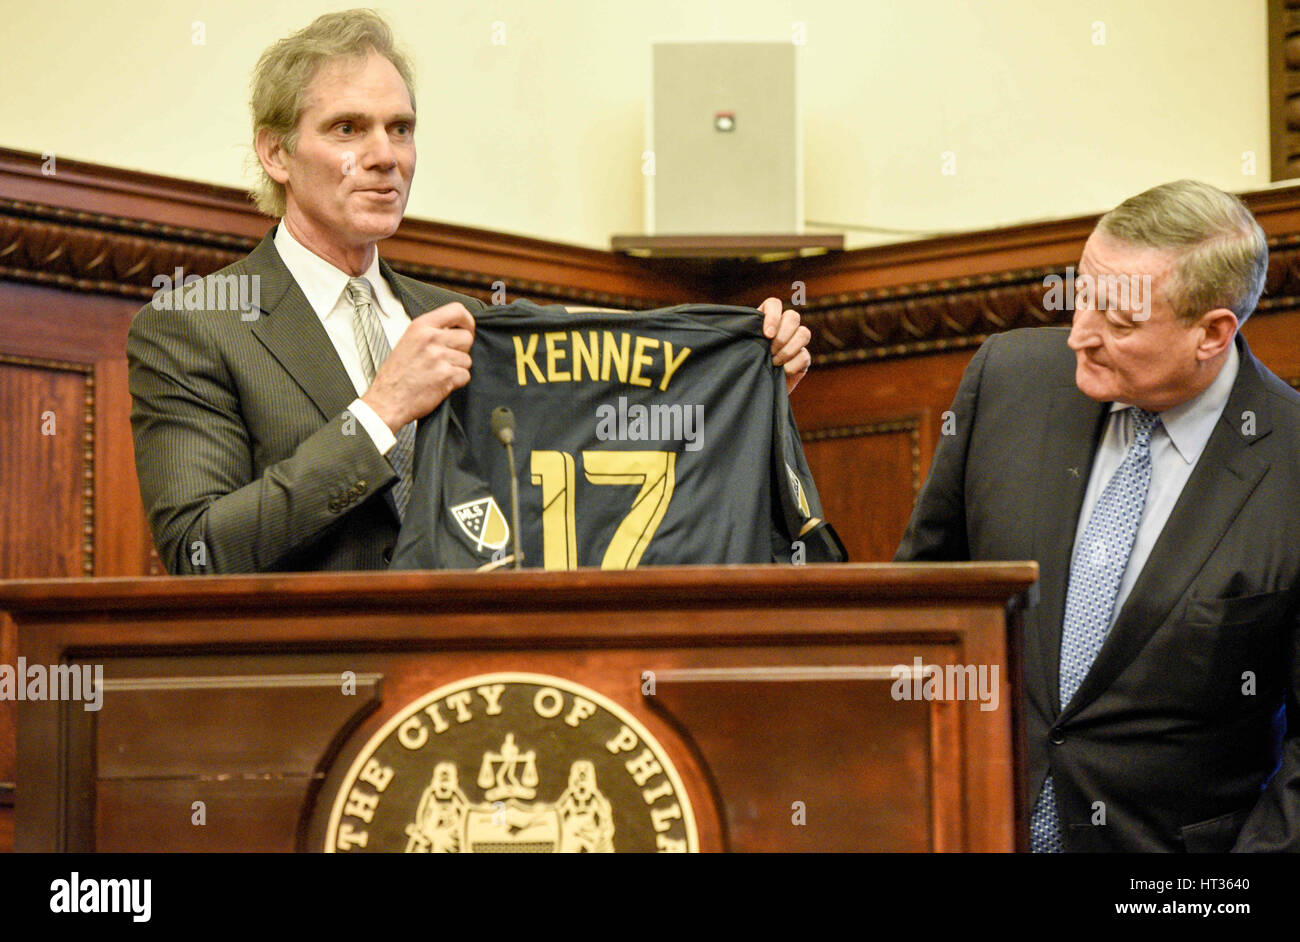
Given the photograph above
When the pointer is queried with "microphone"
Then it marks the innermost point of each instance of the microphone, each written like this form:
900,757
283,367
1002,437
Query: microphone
503,427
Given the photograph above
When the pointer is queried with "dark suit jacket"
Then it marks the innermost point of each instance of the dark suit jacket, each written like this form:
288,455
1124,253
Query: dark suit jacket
1163,731
246,457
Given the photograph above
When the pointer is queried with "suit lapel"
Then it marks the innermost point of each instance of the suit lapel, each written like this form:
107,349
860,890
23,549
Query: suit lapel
1074,424
294,335
1224,477
419,298
410,303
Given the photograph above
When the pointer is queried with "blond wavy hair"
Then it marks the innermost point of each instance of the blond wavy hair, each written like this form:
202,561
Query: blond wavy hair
286,69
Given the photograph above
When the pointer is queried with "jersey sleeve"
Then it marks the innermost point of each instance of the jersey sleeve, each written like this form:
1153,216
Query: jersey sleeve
452,520
800,532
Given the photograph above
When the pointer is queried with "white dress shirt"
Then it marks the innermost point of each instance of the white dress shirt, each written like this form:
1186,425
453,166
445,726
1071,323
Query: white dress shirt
1176,445
323,285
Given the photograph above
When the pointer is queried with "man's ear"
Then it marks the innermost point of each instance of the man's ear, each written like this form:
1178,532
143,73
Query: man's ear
1218,327
270,151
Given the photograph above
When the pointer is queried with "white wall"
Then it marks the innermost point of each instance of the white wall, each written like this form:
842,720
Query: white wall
543,136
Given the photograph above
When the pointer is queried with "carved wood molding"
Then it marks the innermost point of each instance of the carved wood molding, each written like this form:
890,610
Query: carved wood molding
926,318
867,304
176,216
95,252
958,313
1284,87
101,254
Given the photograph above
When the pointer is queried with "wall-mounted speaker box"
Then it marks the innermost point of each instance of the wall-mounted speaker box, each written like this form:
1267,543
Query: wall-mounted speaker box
725,132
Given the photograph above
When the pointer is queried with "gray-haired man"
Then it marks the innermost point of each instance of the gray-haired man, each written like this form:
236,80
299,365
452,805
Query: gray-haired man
1151,465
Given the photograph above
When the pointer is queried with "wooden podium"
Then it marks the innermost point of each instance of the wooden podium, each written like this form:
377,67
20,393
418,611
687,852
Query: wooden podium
713,708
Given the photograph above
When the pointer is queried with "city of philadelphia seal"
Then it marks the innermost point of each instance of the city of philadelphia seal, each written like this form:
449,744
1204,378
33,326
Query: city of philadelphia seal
511,762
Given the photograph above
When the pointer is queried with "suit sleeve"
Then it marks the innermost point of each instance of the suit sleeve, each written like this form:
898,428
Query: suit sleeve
1274,824
937,529
208,510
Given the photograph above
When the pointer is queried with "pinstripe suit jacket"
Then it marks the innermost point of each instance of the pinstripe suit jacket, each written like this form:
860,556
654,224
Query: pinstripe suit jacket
247,458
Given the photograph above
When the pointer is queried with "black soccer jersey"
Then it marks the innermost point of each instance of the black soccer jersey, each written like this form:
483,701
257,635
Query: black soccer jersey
643,438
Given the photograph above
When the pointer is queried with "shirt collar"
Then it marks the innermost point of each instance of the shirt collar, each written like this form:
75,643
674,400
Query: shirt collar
321,282
1189,424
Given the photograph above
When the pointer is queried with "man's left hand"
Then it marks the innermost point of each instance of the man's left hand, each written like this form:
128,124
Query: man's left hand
789,341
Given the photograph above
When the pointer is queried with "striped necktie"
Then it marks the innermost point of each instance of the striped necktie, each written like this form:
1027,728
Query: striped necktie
1095,575
373,348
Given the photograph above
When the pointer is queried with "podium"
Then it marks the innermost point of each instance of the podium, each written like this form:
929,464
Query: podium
867,707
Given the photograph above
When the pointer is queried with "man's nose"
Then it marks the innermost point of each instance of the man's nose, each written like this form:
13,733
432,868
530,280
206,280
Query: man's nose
1083,329
378,153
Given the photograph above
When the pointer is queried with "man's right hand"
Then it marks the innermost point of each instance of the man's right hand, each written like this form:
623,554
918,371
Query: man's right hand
427,365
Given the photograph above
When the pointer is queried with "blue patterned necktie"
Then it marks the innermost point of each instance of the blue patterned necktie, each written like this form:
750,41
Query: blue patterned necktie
1095,574
373,348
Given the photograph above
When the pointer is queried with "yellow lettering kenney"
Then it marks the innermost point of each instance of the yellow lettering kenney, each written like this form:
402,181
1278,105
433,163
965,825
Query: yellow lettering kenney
640,358
525,358
671,364
553,357
586,353
621,363
596,356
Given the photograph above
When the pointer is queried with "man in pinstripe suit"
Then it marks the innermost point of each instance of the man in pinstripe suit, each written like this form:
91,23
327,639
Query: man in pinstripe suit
280,438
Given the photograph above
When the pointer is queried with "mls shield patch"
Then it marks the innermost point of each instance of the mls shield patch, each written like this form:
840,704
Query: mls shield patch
797,487
483,522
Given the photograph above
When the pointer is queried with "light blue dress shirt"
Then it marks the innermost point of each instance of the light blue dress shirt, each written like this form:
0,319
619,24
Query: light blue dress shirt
1176,446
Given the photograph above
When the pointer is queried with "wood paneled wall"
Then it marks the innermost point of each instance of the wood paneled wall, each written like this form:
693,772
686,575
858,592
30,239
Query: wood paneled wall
1284,88
893,329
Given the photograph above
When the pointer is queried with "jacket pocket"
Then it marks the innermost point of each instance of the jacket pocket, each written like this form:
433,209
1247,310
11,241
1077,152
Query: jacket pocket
1262,608
1216,835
